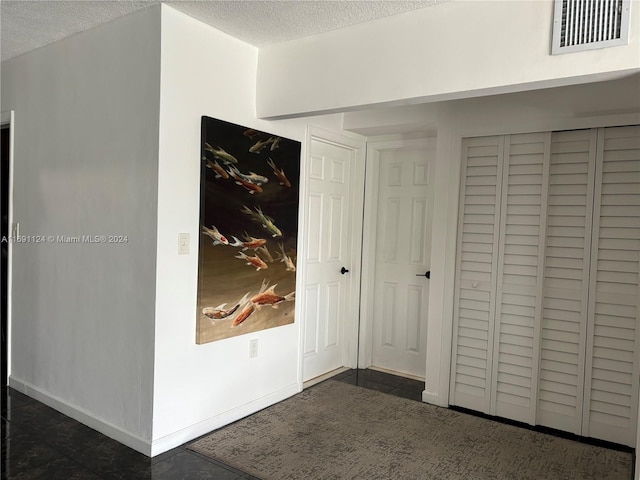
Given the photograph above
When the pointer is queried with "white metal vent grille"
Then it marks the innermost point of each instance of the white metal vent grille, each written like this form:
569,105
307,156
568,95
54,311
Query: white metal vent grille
589,24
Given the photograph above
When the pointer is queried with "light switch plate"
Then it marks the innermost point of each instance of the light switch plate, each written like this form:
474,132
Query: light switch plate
183,243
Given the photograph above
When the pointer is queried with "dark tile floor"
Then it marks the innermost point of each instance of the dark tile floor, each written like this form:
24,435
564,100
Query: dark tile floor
41,443
383,382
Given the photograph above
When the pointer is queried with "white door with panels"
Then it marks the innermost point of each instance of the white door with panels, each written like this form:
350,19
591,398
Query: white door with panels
402,254
334,214
547,293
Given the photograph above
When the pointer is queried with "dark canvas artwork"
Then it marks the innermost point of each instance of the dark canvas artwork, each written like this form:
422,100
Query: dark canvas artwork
248,230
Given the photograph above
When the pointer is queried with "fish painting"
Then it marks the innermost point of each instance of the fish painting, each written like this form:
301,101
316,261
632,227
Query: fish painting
215,166
249,186
261,145
255,261
219,312
264,251
249,210
220,154
271,298
250,133
249,242
279,173
244,314
215,235
268,223
264,220
250,177
286,259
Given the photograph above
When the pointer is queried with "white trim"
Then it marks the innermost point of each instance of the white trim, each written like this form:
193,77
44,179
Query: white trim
548,125
441,294
83,416
368,256
326,376
301,249
191,432
8,117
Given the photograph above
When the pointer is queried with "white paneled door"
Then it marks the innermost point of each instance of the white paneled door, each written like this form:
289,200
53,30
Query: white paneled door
402,255
334,222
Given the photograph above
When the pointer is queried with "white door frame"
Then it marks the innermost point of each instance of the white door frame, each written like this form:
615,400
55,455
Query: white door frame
8,118
350,331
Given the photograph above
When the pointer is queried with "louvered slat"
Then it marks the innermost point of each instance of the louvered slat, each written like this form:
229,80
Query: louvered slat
519,286
611,389
474,306
565,296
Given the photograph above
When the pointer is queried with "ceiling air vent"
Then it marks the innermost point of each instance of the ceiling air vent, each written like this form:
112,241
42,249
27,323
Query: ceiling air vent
589,24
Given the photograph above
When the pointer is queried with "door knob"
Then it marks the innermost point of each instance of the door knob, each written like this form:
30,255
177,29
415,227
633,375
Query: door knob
426,274
343,270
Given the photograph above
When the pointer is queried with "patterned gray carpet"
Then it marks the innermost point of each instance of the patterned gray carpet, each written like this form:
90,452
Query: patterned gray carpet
339,431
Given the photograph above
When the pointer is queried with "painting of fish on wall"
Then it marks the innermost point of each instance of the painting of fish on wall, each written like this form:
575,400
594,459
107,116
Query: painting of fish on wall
248,230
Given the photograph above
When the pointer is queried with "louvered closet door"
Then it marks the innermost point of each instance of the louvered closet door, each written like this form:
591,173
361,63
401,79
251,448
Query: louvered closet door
519,283
477,255
547,300
612,367
566,280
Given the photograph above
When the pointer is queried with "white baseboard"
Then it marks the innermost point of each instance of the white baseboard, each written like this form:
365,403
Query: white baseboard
165,443
83,416
321,378
187,434
433,399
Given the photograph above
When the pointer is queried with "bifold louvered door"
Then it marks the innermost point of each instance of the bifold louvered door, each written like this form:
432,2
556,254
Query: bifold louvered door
497,293
612,367
518,292
546,302
477,261
566,280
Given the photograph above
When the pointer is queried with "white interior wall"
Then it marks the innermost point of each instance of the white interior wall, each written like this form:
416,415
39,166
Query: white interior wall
455,49
201,387
86,146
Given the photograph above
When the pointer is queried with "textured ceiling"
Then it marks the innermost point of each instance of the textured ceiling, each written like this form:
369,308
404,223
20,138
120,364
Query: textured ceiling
29,24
